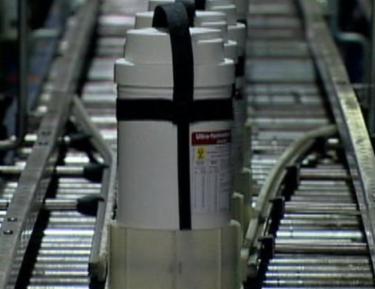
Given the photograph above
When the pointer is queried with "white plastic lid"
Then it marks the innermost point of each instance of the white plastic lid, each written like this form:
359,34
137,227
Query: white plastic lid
242,6
149,45
238,33
231,50
229,10
148,59
144,19
230,46
208,16
222,26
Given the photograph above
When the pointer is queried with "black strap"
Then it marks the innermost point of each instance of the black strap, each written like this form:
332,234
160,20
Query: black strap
200,4
190,9
166,110
196,4
240,67
243,21
175,18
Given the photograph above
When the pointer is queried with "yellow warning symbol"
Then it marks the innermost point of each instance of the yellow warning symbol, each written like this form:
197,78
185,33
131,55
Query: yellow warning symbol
201,154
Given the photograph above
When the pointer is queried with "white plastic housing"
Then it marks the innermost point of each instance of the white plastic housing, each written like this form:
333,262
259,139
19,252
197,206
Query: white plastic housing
148,182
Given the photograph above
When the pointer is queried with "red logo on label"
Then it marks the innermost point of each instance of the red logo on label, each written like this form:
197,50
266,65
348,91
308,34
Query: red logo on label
211,138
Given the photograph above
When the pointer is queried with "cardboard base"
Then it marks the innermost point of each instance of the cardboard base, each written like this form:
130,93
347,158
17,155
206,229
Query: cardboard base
153,259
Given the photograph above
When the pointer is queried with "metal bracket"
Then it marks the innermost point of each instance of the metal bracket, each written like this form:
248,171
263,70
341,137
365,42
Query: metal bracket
98,257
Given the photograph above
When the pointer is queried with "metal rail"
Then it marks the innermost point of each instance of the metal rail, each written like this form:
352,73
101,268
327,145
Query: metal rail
348,116
34,180
371,80
296,151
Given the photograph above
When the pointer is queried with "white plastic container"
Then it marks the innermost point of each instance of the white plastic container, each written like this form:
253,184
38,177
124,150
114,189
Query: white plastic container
236,30
148,181
237,33
228,9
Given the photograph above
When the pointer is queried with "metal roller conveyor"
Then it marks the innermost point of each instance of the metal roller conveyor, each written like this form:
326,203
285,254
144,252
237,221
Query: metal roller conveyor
64,248
319,239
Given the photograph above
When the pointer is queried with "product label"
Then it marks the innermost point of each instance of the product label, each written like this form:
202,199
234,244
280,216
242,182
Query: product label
211,171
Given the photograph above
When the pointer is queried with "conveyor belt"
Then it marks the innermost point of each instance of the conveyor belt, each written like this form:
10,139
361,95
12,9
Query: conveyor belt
63,234
63,237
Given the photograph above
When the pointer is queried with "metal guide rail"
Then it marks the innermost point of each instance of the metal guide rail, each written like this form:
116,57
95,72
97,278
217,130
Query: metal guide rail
318,233
51,195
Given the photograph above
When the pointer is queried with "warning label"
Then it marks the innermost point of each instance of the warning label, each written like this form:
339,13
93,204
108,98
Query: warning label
211,138
211,171
201,153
